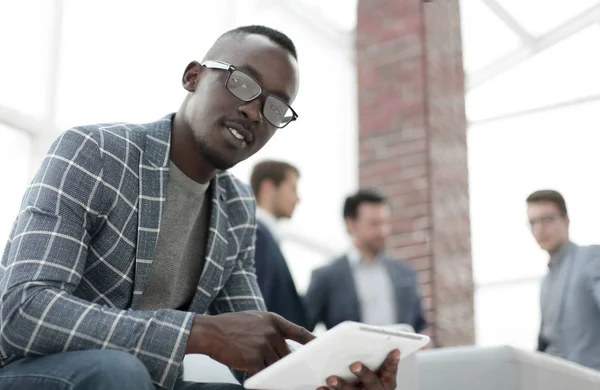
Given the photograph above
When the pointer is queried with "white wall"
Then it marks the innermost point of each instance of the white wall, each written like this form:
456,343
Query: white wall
14,158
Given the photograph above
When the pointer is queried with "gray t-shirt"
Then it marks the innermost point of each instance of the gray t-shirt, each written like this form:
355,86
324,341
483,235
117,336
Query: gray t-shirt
179,258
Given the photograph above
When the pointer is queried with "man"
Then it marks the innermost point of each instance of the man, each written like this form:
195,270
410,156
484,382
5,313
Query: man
365,285
570,294
106,281
274,184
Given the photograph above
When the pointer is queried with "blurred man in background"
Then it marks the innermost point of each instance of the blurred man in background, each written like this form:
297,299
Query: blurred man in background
275,186
570,294
366,284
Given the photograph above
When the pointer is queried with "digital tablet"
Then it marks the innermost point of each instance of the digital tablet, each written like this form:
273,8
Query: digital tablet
332,353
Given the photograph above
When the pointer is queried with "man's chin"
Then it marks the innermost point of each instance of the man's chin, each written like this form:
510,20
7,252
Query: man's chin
552,248
377,250
218,160
283,215
545,246
222,165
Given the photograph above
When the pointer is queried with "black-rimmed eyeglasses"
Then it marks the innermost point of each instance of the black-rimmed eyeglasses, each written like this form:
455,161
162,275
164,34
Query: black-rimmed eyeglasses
246,88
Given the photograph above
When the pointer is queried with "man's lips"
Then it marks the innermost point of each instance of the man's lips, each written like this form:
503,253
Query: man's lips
240,132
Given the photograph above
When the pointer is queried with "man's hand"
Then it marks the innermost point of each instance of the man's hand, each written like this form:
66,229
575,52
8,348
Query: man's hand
246,341
382,379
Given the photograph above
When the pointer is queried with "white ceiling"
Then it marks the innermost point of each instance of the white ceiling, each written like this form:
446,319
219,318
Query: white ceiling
500,37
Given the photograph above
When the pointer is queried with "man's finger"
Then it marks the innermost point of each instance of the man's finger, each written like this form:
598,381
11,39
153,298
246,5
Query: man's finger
368,378
292,331
281,347
337,383
389,368
270,356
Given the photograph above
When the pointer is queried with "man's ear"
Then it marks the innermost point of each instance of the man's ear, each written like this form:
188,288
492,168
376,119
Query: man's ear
267,187
349,225
191,75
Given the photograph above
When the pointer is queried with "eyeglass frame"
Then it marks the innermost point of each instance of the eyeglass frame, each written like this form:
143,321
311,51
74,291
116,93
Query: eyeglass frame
221,65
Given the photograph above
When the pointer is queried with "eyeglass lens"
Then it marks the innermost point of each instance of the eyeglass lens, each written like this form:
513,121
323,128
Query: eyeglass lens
245,88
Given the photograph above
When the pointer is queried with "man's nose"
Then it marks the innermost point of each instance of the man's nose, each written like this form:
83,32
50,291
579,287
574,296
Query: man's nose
537,229
252,111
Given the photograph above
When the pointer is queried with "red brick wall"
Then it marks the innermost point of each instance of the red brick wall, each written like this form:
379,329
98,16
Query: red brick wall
412,146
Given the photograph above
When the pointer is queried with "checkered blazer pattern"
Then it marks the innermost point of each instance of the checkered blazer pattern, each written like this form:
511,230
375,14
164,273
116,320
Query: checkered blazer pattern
80,251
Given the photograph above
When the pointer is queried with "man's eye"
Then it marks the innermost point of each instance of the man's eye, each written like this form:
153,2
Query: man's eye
275,109
239,83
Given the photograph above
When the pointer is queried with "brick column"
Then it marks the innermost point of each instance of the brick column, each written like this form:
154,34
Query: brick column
412,146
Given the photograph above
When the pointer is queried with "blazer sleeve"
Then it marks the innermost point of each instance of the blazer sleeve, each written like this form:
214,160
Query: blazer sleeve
593,274
542,343
44,262
241,291
420,321
316,298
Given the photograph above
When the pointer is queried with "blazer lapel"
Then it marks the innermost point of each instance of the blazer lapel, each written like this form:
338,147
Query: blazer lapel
400,296
347,282
570,262
153,176
543,294
211,279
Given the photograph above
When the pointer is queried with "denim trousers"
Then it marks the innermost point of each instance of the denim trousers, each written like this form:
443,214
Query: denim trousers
88,370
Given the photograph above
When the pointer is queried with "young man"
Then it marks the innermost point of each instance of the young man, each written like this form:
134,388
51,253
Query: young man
570,294
131,234
365,285
274,184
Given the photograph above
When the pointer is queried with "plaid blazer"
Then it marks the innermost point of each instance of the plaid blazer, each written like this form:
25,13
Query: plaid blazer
80,251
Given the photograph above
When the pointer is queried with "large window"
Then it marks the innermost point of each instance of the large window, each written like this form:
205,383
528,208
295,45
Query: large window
508,160
533,98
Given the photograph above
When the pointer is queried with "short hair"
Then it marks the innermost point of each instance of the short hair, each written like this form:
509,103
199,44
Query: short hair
275,36
276,171
353,202
549,196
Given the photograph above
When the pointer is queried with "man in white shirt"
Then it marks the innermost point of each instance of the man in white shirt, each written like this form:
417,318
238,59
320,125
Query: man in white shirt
275,186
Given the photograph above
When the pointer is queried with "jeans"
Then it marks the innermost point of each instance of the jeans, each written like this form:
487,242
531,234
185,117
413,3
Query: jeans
87,370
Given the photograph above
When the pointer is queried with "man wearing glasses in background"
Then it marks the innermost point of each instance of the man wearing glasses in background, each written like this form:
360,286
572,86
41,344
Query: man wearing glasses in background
570,294
134,246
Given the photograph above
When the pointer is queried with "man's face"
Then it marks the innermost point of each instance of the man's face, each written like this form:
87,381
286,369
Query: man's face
286,196
549,228
212,110
371,227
